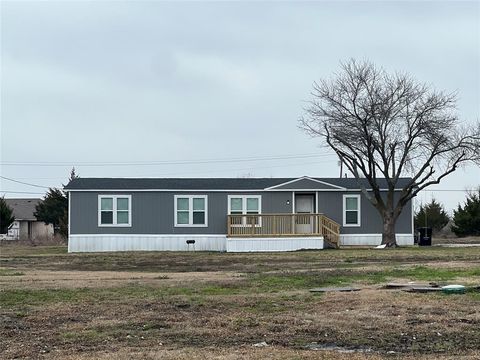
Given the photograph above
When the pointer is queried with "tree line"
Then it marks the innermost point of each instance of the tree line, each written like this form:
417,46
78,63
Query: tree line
464,222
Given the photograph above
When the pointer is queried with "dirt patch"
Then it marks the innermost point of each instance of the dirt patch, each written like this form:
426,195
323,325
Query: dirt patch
453,264
56,259
246,352
44,279
378,320
197,306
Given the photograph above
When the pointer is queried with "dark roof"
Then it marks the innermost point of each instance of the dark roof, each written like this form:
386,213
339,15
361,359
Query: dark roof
23,209
203,183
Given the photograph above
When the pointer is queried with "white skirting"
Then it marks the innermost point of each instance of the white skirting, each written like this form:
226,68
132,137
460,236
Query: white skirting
123,242
372,239
273,244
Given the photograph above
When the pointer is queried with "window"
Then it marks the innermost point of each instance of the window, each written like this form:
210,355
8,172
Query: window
114,210
244,205
351,210
191,210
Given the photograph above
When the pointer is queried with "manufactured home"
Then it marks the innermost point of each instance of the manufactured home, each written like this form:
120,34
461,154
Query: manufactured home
224,214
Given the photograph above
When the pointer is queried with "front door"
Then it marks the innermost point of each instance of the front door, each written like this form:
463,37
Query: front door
304,204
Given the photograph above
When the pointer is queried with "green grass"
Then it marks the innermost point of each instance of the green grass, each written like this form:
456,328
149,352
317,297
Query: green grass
126,331
31,297
15,297
474,294
425,273
343,277
252,284
10,272
90,335
285,282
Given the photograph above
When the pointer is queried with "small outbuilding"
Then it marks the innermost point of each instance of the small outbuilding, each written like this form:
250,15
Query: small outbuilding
26,226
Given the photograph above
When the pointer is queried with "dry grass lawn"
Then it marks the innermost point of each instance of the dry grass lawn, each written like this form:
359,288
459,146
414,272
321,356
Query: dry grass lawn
217,306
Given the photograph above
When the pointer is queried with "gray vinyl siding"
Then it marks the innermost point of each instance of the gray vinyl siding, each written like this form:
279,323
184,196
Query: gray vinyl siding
331,204
276,202
153,212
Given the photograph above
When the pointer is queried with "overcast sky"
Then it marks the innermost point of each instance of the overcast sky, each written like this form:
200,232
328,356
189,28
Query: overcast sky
95,83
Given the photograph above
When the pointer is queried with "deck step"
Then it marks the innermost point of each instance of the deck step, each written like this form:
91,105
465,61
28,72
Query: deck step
328,244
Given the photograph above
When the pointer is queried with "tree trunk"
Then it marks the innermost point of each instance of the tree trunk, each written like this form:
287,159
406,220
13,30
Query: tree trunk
388,234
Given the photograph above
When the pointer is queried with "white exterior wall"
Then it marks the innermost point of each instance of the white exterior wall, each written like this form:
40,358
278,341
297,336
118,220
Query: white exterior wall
100,242
262,244
23,230
41,230
373,239
38,230
14,231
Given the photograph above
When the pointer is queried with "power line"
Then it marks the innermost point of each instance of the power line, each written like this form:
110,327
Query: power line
21,192
24,183
176,162
176,173
190,172
40,178
463,190
236,170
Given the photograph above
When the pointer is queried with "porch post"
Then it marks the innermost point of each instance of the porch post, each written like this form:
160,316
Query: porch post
274,230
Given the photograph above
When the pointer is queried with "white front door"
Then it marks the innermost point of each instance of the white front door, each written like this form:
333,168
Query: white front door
304,204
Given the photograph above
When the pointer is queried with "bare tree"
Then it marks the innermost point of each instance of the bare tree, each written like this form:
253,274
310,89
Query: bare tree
390,126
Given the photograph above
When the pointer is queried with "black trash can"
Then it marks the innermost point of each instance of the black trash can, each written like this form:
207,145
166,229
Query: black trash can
425,236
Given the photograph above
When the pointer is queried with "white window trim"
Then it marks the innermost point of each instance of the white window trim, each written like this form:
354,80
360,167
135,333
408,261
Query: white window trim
244,208
190,210
114,209
344,210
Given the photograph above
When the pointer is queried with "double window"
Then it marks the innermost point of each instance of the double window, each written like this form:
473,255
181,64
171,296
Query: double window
191,210
244,205
114,210
351,210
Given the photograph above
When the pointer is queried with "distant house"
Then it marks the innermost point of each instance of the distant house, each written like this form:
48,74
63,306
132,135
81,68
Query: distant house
26,226
233,214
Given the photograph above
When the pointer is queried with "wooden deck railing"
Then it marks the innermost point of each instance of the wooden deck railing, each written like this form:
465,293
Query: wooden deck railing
278,225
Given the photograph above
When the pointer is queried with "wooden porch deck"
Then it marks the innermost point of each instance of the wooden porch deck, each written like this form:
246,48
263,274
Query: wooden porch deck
283,225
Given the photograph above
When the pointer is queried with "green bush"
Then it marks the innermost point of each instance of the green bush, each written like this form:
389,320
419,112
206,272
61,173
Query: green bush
467,218
431,215
6,216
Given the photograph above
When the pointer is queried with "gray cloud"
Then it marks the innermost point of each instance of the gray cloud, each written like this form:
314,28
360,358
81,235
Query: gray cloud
126,81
